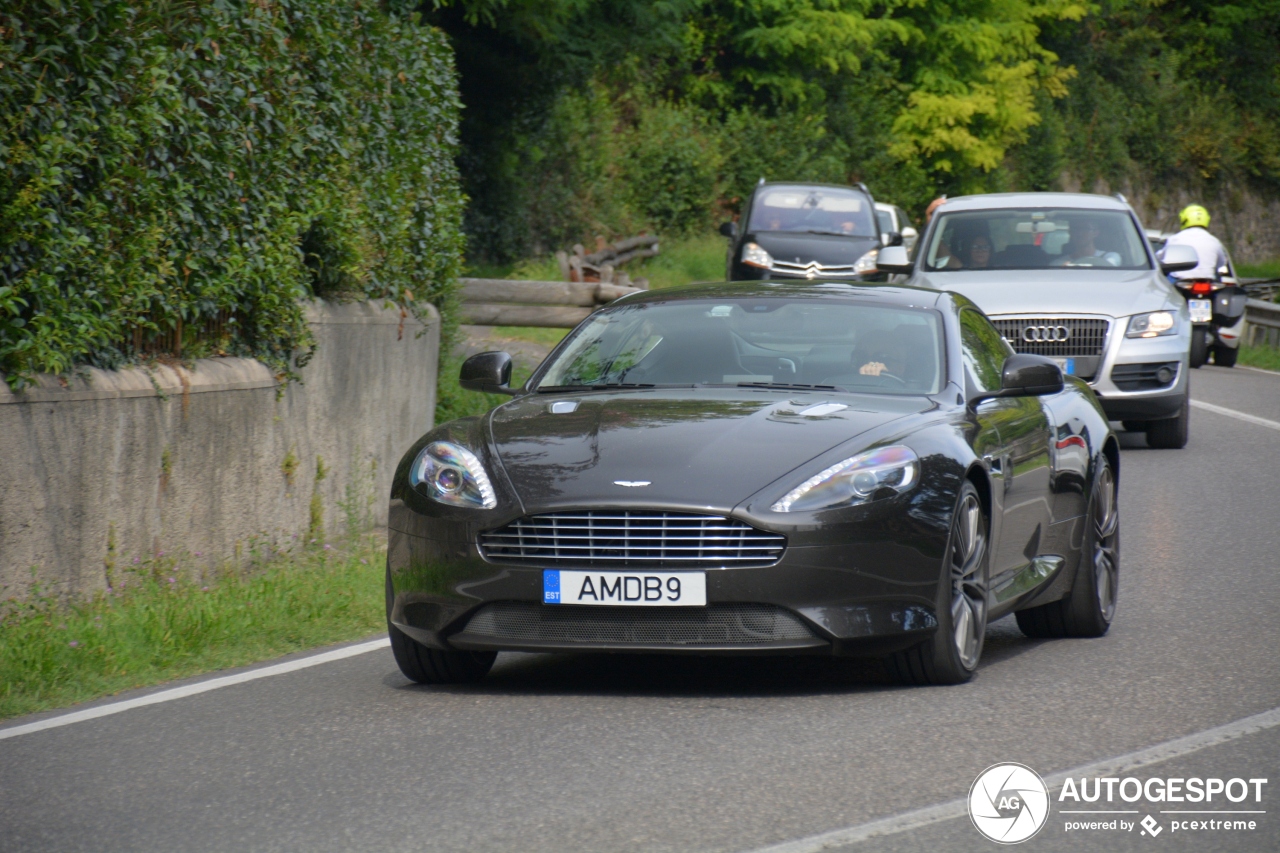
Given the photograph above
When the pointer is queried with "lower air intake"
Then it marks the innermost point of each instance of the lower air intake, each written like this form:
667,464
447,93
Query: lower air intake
713,625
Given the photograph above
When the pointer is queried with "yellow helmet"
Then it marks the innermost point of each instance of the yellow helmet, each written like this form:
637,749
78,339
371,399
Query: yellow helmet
1193,215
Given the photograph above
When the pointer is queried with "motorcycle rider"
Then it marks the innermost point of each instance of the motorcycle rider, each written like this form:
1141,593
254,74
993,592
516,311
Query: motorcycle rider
1195,233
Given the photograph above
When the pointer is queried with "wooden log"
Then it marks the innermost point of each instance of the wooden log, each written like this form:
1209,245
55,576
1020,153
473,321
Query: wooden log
562,259
620,247
622,258
506,314
527,292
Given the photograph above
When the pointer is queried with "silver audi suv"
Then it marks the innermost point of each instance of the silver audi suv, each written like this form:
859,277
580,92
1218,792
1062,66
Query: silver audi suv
1070,276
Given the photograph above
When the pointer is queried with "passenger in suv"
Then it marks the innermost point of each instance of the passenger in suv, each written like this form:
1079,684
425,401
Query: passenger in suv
1069,276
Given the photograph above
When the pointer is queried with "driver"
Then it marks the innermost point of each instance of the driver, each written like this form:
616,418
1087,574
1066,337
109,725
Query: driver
883,353
1084,234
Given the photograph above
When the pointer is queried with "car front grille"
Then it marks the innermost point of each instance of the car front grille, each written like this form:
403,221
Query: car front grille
713,625
1144,377
619,538
1055,336
814,270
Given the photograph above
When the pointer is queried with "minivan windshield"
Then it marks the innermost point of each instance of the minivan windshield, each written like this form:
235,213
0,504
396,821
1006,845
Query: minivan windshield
818,210
766,342
1030,238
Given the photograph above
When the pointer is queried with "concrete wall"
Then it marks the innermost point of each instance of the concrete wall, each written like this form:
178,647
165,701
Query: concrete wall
214,461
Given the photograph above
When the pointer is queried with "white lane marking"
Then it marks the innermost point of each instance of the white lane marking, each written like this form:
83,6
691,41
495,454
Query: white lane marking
193,689
1107,767
1240,416
1258,369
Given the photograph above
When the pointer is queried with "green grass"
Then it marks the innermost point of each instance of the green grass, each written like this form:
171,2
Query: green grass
164,621
1266,269
1267,358
682,262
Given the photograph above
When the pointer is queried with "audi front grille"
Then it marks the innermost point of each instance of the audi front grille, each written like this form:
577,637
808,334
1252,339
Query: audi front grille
624,538
1059,337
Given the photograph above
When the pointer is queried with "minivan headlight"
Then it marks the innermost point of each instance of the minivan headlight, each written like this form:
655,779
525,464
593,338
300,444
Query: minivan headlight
866,263
452,475
754,255
1152,325
855,480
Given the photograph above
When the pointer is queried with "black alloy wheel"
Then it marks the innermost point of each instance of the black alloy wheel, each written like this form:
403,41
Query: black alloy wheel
1088,610
951,655
434,666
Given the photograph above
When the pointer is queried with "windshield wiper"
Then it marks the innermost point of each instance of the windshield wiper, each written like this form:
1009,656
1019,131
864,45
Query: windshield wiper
792,386
560,389
832,233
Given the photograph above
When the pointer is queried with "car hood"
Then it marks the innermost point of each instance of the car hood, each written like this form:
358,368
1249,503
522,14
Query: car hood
698,448
1115,293
826,249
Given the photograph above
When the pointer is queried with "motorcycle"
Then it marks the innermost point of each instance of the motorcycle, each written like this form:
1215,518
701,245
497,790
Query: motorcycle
1217,313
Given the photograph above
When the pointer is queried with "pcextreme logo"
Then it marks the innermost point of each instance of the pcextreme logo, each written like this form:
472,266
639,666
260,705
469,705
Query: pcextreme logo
1009,803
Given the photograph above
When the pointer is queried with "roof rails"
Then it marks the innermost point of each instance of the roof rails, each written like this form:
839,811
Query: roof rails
1120,196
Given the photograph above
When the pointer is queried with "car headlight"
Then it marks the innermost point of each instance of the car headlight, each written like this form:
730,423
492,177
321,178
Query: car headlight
754,255
866,263
1152,325
453,475
856,480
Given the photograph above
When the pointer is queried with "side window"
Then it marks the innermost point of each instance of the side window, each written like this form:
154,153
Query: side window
983,349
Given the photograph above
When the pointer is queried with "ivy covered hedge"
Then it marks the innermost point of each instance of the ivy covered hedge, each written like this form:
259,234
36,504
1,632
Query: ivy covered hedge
178,176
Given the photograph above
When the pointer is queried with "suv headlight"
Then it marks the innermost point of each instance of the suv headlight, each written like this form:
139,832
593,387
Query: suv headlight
856,480
1152,325
453,475
866,263
754,255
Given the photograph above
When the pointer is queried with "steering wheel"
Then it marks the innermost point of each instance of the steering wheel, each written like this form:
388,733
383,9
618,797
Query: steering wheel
897,379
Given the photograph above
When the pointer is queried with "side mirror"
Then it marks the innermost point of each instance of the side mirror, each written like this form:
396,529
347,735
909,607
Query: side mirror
893,259
1179,258
909,236
891,238
1025,375
729,229
489,372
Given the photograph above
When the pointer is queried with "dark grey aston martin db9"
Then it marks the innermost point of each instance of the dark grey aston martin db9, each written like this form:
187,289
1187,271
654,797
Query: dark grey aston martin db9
838,469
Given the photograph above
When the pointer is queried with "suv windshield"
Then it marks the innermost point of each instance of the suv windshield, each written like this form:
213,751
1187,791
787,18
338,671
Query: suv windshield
766,342
821,210
1034,239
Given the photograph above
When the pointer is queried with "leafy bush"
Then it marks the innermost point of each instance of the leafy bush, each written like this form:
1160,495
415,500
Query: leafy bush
179,176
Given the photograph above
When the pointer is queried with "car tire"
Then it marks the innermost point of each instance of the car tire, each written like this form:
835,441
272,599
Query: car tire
951,655
434,666
1199,347
1171,433
1225,356
1089,608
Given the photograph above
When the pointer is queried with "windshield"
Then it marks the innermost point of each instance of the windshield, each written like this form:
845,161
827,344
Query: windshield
776,341
1034,239
820,210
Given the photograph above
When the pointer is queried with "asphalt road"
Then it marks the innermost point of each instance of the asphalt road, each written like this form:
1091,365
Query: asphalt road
603,753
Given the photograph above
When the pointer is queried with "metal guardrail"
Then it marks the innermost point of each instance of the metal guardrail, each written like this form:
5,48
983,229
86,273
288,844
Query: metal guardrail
1261,288
1262,323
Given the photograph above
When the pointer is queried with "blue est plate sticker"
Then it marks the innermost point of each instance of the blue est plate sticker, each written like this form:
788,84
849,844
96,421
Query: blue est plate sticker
550,586
1070,368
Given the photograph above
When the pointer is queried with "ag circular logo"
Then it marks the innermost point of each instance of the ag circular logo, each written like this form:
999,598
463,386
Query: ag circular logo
1009,803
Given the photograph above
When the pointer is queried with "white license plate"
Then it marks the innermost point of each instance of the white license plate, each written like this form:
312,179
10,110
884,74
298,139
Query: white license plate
1068,365
629,589
1201,310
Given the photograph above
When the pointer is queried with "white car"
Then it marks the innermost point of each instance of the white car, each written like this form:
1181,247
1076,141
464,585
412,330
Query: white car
1071,276
894,219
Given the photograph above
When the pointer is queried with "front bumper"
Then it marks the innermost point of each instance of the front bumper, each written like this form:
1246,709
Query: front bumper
869,599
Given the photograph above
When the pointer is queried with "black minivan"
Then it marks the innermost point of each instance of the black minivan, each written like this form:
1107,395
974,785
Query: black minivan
805,231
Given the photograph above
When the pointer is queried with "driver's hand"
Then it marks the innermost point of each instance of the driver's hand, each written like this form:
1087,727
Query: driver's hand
872,368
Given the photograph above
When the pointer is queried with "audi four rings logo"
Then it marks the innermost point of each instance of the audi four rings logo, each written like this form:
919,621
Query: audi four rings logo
1045,334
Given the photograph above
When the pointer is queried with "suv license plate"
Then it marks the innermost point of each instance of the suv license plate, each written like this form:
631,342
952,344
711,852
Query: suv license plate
626,589
1201,310
1068,365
